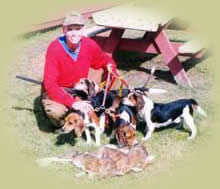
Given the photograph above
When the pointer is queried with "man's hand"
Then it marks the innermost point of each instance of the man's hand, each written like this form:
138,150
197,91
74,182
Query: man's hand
83,106
54,109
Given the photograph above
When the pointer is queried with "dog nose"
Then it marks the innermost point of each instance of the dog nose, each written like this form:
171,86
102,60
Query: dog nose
135,142
59,131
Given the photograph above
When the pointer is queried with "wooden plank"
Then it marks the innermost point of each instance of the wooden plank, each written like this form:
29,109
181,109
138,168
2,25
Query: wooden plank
135,45
142,18
93,31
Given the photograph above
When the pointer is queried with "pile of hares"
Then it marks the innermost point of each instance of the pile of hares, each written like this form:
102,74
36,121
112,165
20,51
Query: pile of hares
118,114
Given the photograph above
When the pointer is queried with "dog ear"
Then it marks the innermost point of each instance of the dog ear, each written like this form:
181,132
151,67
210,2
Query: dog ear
93,117
91,88
118,136
79,128
139,102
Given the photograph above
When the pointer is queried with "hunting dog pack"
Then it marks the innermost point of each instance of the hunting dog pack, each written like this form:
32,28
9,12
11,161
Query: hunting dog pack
118,111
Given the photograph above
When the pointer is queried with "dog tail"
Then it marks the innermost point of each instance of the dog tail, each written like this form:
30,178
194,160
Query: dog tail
44,162
150,90
201,111
156,91
198,108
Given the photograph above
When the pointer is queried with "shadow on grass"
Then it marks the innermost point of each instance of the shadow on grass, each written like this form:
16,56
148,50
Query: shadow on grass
43,122
31,34
66,138
191,62
133,60
70,138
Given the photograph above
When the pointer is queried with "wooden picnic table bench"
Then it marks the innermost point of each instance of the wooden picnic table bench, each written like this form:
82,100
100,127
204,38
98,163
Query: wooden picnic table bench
155,39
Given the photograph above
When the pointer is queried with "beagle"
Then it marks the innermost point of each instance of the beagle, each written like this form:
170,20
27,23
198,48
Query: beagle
123,123
158,115
80,121
126,135
88,87
112,103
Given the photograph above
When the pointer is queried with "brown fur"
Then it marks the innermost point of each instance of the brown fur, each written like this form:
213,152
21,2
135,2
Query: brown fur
74,121
94,118
79,122
93,165
138,156
126,135
110,161
107,161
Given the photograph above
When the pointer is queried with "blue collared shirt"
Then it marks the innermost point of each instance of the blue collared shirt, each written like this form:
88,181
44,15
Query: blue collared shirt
73,54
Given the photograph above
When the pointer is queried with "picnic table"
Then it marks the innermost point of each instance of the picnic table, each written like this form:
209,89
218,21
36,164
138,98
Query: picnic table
155,39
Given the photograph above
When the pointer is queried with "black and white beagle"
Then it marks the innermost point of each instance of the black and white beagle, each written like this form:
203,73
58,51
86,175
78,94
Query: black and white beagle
160,115
96,101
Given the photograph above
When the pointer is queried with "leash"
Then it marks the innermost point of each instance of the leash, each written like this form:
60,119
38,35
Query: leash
106,89
102,107
120,78
148,79
108,86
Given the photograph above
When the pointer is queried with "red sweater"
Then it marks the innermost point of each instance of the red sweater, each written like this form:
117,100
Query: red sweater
62,71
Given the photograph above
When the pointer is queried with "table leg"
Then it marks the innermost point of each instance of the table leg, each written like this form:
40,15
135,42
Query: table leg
111,44
113,40
171,59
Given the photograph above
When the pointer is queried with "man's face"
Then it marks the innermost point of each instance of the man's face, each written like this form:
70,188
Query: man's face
73,33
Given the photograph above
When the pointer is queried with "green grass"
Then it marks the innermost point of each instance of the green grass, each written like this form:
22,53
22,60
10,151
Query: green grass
36,137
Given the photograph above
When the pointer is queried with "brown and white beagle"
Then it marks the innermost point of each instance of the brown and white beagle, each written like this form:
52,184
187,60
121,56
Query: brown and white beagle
126,135
80,121
123,123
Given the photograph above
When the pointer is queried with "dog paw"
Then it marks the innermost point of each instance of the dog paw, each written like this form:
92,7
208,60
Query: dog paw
80,174
102,130
191,137
88,142
150,159
135,142
136,169
146,138
98,144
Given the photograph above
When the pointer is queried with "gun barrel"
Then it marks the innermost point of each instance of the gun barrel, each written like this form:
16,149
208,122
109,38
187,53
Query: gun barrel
29,80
